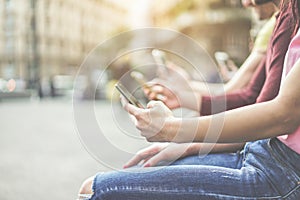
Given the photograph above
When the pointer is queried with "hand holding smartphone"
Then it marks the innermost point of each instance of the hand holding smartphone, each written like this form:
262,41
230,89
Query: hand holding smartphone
139,77
221,58
128,96
226,65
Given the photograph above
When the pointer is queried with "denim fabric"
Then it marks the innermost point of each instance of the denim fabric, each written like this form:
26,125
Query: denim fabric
229,160
266,169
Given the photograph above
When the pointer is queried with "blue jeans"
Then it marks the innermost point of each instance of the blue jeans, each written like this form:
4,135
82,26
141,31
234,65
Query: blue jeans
265,169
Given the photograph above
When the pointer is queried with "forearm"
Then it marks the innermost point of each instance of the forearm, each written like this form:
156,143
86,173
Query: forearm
240,80
197,148
207,88
228,128
233,99
244,74
215,104
262,120
190,100
259,121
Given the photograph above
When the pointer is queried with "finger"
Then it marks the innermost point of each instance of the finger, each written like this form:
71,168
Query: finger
131,109
152,104
151,87
157,88
154,137
123,101
161,89
232,65
140,156
147,90
133,161
154,160
247,3
159,93
160,97
152,96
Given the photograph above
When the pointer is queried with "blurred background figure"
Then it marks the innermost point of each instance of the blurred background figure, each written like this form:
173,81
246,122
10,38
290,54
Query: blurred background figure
44,42
266,13
258,49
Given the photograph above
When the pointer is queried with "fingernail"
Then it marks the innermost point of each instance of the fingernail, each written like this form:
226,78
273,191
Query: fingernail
147,165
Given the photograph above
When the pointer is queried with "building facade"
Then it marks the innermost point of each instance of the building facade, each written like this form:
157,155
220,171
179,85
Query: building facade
218,25
42,38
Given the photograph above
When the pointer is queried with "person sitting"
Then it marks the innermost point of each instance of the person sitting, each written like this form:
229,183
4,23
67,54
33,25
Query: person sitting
267,168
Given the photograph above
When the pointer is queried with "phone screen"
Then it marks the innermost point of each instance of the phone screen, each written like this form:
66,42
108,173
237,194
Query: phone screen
128,96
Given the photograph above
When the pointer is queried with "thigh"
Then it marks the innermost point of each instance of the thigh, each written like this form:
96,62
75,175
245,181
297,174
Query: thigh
181,183
229,160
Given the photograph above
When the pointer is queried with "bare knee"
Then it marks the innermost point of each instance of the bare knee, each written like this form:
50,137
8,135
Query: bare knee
86,187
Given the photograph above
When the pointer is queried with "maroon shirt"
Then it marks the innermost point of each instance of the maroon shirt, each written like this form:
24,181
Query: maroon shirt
265,83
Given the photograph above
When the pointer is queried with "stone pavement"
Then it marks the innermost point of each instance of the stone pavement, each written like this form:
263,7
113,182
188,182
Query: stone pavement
41,153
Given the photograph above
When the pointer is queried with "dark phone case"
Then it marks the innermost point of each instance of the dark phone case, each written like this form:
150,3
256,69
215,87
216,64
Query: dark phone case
128,96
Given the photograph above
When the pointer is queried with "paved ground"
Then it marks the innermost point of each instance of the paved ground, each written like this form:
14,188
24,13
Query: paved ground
41,154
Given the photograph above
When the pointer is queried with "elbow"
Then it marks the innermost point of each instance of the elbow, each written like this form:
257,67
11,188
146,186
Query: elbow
289,125
289,116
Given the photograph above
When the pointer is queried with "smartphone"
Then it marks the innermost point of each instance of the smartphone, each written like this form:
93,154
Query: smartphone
160,59
221,58
128,96
226,66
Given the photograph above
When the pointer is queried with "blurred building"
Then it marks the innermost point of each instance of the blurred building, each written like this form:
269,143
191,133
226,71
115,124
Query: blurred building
42,38
218,25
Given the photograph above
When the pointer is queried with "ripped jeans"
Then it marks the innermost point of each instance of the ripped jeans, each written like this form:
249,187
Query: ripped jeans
265,169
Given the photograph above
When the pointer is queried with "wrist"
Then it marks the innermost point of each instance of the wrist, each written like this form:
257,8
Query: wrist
172,129
190,100
182,130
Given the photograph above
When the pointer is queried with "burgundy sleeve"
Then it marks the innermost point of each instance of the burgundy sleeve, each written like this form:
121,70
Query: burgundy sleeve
279,48
265,84
215,104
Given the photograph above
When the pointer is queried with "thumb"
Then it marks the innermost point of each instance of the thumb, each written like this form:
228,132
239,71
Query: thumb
153,104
